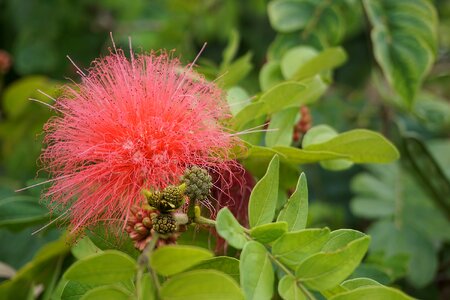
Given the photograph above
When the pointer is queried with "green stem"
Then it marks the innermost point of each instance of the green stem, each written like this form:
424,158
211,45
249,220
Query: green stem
191,211
287,271
144,262
204,221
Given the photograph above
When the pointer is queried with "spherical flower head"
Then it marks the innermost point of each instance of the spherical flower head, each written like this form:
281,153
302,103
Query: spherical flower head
131,124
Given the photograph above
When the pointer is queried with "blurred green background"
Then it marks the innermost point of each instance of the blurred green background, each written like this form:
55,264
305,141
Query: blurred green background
37,35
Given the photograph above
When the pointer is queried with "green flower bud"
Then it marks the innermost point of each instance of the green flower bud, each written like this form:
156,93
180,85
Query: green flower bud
172,197
198,183
164,223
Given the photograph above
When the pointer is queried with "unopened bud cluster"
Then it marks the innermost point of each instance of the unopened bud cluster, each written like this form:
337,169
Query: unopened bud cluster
144,222
198,183
304,124
161,216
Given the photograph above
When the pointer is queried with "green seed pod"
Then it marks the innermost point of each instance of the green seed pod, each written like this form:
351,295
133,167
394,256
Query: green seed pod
164,223
198,183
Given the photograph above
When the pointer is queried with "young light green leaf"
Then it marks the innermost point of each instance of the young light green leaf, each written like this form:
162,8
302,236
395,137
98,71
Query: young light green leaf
320,134
295,212
236,71
201,284
360,146
355,283
15,97
295,58
404,39
104,268
328,59
372,293
110,292
84,248
283,95
293,247
325,270
256,272
147,289
230,229
174,259
267,233
225,264
289,290
270,75
237,99
230,51
263,199
281,127
340,238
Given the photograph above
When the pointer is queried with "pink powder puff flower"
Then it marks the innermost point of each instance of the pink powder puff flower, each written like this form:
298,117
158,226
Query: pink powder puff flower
131,124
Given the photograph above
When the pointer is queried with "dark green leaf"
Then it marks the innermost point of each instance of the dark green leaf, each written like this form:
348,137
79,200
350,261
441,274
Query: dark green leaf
404,39
289,15
18,212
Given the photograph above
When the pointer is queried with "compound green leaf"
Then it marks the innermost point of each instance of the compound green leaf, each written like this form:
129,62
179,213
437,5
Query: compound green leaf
201,284
320,134
256,272
107,292
263,199
174,259
281,127
225,264
294,60
360,146
328,59
295,211
237,99
372,293
289,290
267,233
326,270
229,228
355,283
293,247
108,267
